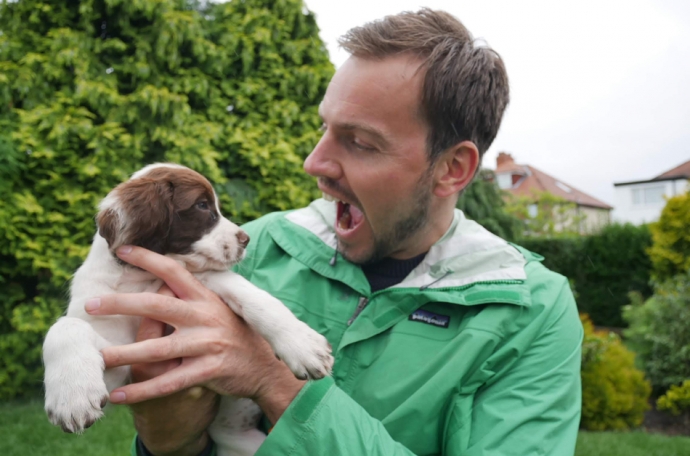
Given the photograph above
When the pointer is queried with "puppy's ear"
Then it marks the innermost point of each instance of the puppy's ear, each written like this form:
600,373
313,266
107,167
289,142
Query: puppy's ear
108,226
140,214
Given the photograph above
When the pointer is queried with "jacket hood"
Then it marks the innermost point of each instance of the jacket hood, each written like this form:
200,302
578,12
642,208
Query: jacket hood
466,254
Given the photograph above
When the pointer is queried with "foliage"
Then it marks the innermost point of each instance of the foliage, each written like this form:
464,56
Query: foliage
545,214
604,267
670,251
482,201
614,392
92,90
676,399
659,333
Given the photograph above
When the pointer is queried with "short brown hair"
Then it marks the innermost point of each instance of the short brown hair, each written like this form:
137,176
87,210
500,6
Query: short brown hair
465,89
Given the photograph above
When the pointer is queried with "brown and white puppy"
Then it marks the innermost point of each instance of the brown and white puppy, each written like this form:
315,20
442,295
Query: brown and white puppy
174,211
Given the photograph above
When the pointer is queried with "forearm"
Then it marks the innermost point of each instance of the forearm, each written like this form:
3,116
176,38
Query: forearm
322,419
278,393
176,425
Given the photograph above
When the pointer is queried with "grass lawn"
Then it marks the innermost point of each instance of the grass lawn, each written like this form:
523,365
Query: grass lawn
24,430
630,444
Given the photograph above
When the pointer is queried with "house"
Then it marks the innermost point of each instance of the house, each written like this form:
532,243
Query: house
642,201
526,180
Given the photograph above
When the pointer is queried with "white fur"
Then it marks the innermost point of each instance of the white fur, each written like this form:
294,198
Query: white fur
77,385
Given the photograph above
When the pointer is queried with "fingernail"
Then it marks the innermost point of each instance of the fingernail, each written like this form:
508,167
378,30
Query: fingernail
124,250
92,304
118,396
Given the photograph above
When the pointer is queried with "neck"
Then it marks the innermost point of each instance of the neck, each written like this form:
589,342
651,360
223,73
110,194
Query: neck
438,223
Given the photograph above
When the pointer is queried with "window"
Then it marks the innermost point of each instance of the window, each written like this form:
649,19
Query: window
505,181
533,210
648,195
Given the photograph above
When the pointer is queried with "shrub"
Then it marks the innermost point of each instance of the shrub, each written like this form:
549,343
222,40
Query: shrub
604,268
670,251
676,399
659,332
483,202
544,214
614,392
92,90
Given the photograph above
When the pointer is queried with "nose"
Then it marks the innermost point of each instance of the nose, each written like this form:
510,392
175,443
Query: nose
321,161
242,239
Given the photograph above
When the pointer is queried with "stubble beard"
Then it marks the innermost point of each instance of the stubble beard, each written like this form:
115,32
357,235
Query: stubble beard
402,230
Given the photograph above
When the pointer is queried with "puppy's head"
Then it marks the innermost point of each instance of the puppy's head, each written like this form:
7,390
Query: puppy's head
174,211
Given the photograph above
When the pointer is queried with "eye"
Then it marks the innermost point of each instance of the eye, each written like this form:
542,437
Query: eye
355,142
203,205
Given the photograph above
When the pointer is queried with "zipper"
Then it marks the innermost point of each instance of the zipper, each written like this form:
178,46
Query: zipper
358,310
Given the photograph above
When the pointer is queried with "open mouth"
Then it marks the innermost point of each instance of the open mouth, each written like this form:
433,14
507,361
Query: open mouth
348,217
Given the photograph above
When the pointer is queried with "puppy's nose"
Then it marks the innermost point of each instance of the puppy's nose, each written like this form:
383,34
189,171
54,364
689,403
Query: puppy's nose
242,238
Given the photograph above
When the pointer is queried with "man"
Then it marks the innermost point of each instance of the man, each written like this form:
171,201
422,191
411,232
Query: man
447,340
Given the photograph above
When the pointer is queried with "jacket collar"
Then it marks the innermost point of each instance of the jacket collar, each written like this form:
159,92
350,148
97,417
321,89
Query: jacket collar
467,256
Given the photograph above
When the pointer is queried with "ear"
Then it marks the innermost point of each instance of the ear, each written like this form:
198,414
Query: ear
108,226
141,215
455,169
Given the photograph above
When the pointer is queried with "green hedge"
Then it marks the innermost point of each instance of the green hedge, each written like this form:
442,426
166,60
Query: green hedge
92,90
603,268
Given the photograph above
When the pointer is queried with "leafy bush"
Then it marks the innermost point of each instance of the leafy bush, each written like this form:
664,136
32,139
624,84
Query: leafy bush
659,332
92,90
604,268
545,214
676,399
614,392
670,251
482,201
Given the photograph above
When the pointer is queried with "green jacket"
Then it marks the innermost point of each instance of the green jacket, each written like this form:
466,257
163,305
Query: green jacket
476,352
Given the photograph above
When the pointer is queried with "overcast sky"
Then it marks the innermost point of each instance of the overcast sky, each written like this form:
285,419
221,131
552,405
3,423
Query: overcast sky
600,89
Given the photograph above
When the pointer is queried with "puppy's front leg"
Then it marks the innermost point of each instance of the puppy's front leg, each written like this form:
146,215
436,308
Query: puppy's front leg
306,352
75,389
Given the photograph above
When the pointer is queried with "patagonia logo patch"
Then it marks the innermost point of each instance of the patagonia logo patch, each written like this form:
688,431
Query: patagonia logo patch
430,318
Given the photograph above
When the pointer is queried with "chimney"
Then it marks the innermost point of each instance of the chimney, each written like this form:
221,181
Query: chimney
504,159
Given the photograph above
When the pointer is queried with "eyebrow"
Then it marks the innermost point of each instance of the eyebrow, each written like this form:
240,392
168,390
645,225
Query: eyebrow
372,131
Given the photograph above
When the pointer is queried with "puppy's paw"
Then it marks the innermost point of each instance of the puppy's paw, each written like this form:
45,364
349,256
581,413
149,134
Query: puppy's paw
306,352
75,404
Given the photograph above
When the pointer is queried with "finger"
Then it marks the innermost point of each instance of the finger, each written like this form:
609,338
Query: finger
180,281
166,291
154,350
154,306
170,382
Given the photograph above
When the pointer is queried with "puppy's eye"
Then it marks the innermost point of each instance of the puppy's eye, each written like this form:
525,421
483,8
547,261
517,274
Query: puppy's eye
203,205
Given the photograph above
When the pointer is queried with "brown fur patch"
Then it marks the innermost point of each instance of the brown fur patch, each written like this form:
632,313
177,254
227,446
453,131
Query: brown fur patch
160,211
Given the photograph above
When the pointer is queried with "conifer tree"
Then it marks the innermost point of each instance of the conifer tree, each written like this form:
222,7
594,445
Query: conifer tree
92,90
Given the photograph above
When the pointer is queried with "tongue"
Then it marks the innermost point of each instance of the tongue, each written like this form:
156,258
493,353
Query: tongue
348,216
357,216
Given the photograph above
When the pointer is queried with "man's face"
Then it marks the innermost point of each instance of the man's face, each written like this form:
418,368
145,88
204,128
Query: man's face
372,157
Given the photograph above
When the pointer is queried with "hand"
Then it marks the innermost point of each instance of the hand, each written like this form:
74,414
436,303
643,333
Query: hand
175,424
217,349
